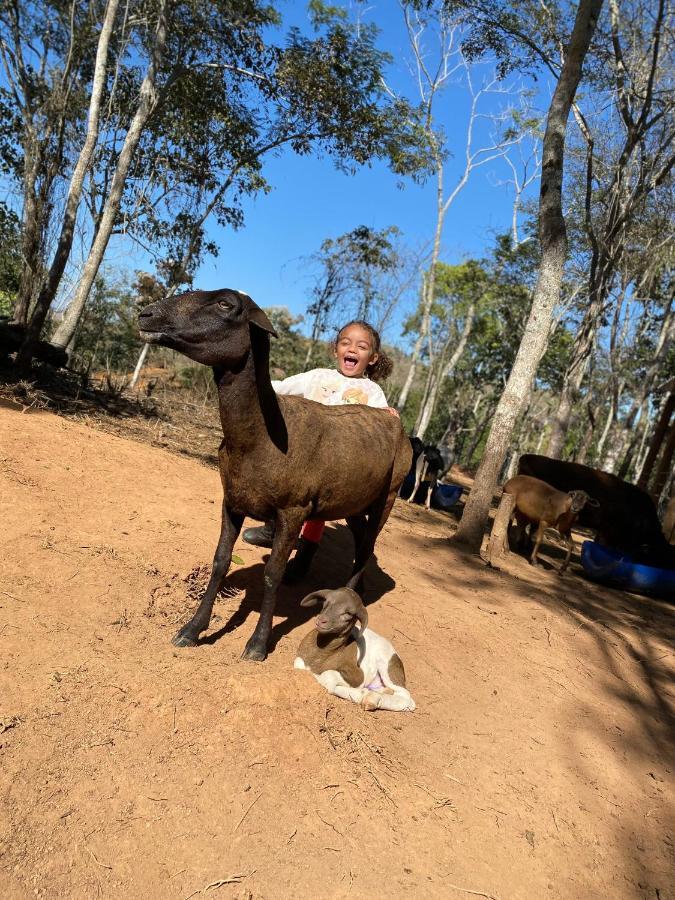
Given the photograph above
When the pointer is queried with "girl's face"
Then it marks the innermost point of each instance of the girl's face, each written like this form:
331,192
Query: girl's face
354,351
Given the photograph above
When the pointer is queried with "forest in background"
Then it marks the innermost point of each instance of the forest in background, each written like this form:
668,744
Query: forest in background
559,339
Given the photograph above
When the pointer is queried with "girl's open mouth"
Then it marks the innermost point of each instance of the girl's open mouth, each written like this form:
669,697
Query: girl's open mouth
350,362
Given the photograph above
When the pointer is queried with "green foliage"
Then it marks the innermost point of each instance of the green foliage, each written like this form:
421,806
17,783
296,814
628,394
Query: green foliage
289,349
10,259
108,334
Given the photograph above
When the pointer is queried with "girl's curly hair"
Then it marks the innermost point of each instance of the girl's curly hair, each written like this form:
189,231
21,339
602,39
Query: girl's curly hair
382,368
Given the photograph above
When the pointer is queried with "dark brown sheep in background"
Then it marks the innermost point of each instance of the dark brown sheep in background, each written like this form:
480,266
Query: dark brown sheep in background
282,458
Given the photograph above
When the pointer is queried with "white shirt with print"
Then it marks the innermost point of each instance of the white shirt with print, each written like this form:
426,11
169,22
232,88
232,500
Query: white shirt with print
332,388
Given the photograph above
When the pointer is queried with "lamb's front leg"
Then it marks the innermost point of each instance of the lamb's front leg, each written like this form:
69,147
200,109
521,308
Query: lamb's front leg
288,525
336,685
229,530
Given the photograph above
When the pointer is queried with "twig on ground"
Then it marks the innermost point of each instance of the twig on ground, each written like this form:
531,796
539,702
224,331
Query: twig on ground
469,891
330,825
237,878
97,861
232,879
247,811
452,778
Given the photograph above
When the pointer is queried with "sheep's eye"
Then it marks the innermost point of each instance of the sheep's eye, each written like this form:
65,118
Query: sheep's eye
347,616
223,304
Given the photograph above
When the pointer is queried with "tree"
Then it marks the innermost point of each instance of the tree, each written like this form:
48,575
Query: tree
357,274
433,73
553,241
165,160
459,291
633,164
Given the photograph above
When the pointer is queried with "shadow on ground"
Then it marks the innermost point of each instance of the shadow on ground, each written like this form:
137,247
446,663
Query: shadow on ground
331,569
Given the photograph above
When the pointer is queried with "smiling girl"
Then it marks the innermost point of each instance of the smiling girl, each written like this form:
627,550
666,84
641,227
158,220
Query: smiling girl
360,363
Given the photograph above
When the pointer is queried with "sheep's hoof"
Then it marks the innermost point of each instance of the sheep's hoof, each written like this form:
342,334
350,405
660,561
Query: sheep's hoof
183,639
255,650
371,701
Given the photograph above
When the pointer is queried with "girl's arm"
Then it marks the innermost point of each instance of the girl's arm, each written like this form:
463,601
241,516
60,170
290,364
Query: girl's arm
294,385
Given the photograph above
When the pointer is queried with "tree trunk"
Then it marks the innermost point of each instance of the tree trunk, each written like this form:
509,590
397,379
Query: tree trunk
553,239
643,448
139,365
611,413
498,546
638,423
30,237
657,439
403,397
146,105
65,242
428,288
481,428
444,371
665,466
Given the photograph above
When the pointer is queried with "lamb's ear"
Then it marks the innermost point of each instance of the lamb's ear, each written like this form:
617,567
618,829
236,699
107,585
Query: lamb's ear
592,501
313,598
258,318
362,616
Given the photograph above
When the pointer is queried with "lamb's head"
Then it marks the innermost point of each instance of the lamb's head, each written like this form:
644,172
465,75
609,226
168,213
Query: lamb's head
211,327
341,609
579,499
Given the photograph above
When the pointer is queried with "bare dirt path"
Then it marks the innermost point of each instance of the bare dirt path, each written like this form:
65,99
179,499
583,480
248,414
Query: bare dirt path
539,763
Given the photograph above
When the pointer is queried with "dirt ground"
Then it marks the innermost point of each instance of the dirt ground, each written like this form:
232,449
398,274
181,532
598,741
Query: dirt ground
539,763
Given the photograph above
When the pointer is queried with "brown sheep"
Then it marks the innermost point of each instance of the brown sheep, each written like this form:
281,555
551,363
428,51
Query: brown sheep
282,458
537,503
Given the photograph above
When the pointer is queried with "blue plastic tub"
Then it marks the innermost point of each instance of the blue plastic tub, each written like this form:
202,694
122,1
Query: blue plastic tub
618,570
444,497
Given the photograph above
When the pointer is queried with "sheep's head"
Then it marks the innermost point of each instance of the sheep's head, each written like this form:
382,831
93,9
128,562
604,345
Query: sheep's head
211,327
341,609
579,499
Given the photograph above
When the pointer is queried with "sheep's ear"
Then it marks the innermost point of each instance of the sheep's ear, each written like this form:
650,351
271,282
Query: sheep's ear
258,318
313,598
362,616
592,501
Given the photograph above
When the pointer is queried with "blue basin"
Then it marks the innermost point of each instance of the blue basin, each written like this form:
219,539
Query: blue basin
444,497
617,569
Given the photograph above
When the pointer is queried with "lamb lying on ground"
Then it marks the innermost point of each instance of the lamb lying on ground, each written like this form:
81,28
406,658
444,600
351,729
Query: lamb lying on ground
350,662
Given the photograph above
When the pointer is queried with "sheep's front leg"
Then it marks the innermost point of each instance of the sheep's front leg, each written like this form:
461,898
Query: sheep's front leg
288,525
570,547
229,529
539,537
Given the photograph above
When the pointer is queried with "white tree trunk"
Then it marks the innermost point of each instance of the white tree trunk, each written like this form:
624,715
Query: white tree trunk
146,105
553,239
447,370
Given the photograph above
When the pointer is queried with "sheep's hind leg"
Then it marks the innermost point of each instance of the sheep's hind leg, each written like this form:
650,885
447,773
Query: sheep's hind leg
229,529
289,523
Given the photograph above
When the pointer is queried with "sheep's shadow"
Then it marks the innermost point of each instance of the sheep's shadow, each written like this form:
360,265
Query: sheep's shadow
331,569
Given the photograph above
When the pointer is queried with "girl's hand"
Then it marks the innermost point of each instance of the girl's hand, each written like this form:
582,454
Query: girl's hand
394,412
